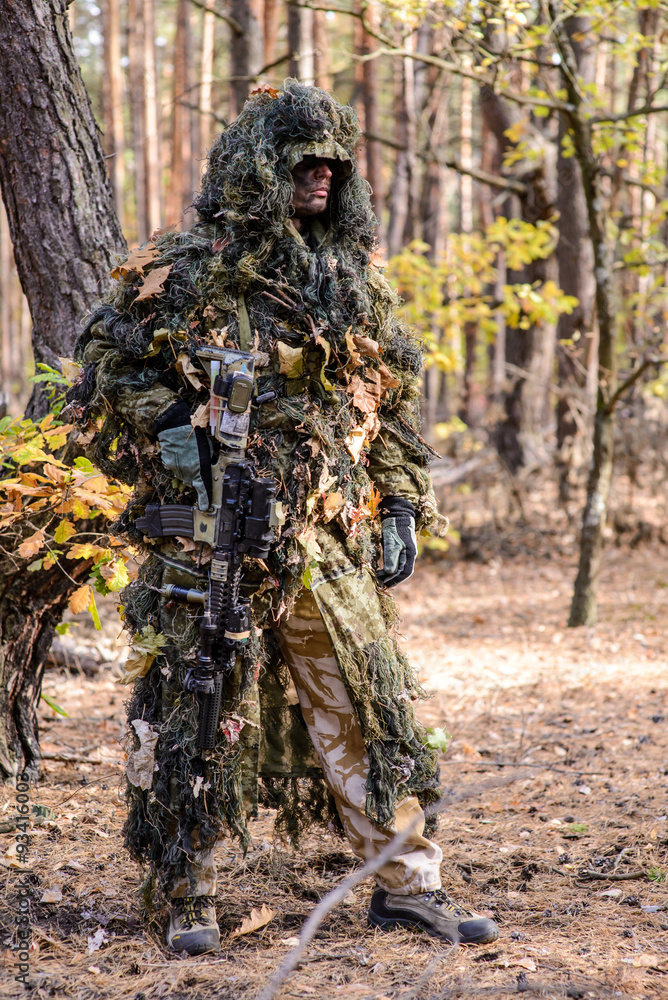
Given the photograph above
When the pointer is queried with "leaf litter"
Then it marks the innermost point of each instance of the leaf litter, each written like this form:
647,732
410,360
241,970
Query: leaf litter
512,687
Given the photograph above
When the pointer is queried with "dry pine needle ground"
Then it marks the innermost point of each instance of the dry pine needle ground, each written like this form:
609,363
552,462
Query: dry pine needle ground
583,712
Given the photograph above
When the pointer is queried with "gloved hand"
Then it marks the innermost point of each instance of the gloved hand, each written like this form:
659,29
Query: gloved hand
185,450
397,518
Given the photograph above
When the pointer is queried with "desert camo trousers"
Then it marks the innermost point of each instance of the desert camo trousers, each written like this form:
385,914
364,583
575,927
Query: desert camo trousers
337,738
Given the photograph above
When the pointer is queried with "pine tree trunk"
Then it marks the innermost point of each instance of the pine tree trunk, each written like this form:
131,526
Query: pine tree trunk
52,174
247,50
137,113
152,171
179,192
206,78
50,158
114,141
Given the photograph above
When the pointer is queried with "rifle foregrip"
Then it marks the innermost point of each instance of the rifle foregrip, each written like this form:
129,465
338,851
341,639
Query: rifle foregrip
209,713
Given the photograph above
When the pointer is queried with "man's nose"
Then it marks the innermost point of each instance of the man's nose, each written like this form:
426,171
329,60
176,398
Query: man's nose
322,172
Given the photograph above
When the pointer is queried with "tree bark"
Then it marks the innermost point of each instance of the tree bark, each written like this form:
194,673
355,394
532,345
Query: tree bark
300,43
65,233
152,171
138,113
247,51
583,606
180,191
114,140
206,79
52,175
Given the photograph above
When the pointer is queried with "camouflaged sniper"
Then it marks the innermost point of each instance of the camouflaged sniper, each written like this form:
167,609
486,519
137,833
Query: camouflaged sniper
343,431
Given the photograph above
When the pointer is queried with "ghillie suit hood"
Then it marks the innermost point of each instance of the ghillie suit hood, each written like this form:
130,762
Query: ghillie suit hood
342,432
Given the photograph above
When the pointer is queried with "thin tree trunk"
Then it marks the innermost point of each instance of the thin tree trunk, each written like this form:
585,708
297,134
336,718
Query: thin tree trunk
138,113
114,146
152,170
271,18
179,192
300,43
321,60
584,605
50,156
374,159
206,78
247,53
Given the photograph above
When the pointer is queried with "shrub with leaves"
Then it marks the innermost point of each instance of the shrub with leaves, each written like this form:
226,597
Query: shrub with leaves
51,513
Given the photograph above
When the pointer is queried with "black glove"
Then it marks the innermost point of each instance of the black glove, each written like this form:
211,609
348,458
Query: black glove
397,518
185,450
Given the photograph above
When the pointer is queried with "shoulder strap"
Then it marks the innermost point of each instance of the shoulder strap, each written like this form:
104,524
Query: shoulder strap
245,334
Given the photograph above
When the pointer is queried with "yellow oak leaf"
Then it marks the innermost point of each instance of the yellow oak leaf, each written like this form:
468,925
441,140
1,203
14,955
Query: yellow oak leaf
88,550
64,531
290,360
80,599
115,575
154,283
31,546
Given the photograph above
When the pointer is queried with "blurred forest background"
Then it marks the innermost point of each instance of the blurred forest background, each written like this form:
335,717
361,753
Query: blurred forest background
517,152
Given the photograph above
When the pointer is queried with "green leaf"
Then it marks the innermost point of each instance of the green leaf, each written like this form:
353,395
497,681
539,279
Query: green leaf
56,708
34,566
92,607
64,627
437,739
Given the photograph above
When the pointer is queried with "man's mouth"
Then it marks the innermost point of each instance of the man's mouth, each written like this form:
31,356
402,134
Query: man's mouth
320,192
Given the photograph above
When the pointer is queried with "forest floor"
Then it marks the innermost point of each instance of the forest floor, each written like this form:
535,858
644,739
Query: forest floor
558,757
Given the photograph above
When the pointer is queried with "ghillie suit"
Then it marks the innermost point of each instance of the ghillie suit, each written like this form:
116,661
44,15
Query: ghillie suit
342,432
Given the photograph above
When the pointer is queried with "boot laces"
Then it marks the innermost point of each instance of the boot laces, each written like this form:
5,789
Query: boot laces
190,910
441,898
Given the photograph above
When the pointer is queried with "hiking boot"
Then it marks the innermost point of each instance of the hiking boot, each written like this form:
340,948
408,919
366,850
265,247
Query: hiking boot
192,925
435,912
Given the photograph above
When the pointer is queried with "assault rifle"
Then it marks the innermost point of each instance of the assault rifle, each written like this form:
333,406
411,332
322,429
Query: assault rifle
238,523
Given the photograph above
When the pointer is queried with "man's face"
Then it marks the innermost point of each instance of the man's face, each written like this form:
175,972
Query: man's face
313,181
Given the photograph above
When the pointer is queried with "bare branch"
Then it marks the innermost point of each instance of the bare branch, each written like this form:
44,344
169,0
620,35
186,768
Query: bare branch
227,18
647,109
654,359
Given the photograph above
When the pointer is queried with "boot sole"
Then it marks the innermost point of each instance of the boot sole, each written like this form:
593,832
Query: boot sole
390,923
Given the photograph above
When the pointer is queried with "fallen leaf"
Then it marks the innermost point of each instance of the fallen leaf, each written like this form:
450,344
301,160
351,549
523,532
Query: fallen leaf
308,540
141,762
314,445
290,360
31,546
377,260
137,261
80,599
95,969
154,283
185,367
96,940
647,961
363,398
371,426
53,895
290,941
355,442
526,963
258,918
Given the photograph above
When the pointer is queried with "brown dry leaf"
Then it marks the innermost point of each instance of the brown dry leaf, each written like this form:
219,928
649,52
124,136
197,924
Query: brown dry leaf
371,426
333,503
367,346
377,260
387,380
526,963
314,445
265,88
355,358
200,418
53,895
188,370
258,918
363,399
153,282
71,370
32,544
80,599
218,245
56,475
218,337
290,359
647,961
355,442
137,261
